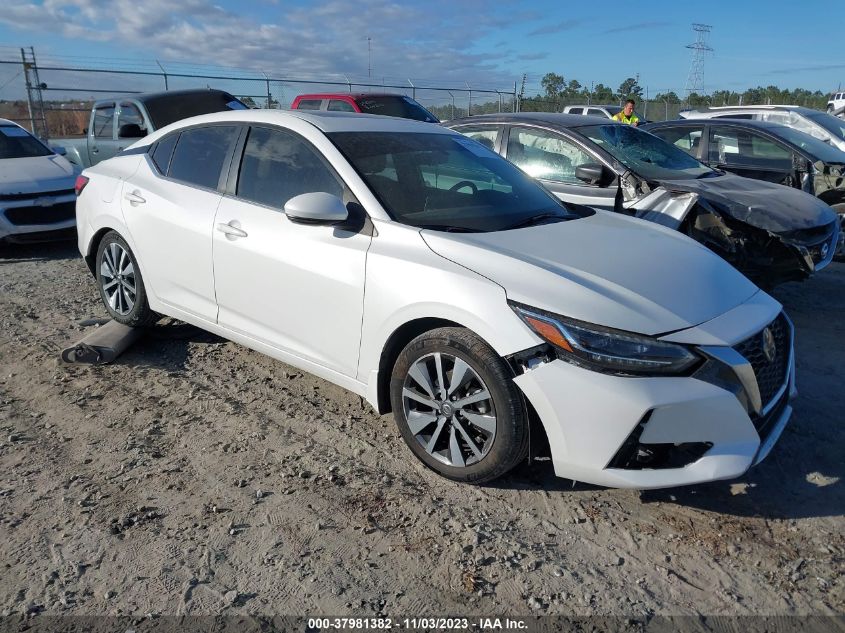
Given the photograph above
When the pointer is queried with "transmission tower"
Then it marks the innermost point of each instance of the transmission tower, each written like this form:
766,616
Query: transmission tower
695,79
34,97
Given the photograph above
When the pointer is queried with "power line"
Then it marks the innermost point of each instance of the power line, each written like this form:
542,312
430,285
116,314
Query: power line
695,79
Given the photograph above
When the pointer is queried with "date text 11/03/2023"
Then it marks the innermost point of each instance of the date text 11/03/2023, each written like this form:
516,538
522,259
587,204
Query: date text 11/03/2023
444,624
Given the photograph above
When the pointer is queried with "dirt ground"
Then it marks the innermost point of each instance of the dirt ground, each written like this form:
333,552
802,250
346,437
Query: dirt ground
195,476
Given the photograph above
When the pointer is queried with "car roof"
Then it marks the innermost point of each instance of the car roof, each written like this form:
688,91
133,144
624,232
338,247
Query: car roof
751,108
152,96
734,122
543,118
327,122
8,122
358,95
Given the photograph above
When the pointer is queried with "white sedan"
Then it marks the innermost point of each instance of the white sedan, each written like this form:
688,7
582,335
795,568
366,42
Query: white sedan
415,267
36,188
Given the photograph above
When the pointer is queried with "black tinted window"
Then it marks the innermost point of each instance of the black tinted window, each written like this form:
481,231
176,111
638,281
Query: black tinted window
309,104
395,105
167,108
163,151
200,154
278,166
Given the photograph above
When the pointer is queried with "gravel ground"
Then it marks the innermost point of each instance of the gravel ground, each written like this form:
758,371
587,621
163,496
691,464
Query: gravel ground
195,476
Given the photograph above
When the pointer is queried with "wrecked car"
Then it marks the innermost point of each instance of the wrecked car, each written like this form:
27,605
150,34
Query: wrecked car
769,233
764,151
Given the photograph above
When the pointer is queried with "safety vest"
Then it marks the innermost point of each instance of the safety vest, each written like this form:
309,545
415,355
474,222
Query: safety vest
620,116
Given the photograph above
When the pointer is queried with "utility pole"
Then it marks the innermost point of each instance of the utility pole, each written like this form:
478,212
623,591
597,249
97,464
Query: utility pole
369,57
699,48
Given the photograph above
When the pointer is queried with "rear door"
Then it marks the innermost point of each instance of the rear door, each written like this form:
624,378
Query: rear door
296,287
750,154
101,136
169,205
552,158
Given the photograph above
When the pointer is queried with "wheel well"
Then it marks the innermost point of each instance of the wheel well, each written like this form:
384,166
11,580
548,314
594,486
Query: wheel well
394,346
91,257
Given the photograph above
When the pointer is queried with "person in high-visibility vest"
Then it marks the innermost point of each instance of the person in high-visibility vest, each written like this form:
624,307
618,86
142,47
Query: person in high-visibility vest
626,115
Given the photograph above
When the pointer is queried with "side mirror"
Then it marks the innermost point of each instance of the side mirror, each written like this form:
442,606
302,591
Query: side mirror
61,151
316,208
130,130
593,174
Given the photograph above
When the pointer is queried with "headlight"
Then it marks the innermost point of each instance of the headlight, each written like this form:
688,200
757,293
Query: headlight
606,350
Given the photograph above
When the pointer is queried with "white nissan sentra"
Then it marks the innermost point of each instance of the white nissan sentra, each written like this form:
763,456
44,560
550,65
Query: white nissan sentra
415,267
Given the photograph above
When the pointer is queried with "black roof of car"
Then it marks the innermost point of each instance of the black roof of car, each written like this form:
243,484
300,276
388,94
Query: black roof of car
167,94
726,121
542,118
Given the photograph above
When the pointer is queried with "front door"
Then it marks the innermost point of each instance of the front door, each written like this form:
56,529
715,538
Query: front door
552,159
296,287
751,155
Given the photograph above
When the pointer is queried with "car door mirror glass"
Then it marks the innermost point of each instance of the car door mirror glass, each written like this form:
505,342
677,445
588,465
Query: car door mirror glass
592,173
316,208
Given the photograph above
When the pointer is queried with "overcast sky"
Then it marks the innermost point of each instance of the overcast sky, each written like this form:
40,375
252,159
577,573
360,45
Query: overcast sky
788,44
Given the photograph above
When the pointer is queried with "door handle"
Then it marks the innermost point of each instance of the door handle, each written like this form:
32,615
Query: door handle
134,198
232,230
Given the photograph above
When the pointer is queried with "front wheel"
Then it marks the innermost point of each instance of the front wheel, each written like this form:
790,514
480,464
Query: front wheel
457,407
120,283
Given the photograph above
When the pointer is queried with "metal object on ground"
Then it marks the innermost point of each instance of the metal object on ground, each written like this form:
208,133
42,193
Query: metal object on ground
103,345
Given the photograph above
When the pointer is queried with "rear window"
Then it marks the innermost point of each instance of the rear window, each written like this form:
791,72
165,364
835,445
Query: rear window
395,105
166,109
309,104
16,142
200,154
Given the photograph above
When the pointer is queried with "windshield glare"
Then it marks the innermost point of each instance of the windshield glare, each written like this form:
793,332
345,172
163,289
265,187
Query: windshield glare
643,153
817,148
16,142
832,124
446,182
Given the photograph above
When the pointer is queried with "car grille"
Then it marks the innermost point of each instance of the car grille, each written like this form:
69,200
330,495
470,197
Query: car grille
771,374
22,216
765,423
35,196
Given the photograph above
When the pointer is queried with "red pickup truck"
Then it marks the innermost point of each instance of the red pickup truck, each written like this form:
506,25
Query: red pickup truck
369,103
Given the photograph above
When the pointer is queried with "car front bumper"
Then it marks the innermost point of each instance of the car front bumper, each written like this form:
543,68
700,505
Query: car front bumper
598,424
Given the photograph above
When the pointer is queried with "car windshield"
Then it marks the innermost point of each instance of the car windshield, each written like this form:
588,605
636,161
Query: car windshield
448,182
832,124
16,142
165,109
644,153
395,105
813,146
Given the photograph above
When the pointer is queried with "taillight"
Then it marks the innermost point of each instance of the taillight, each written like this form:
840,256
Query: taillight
81,181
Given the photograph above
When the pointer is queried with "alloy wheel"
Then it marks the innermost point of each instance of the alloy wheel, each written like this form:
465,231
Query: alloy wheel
117,274
449,409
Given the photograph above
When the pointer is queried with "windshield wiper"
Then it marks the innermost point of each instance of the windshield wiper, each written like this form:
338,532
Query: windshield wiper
535,219
446,227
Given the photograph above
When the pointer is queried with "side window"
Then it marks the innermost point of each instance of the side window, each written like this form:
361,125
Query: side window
576,110
685,138
163,151
740,148
337,105
104,122
597,112
200,154
129,114
546,155
309,104
486,135
278,166
734,116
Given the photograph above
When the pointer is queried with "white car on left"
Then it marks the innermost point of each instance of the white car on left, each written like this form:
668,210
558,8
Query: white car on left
37,199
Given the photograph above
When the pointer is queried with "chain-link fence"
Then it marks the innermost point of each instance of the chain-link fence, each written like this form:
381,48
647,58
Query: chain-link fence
60,91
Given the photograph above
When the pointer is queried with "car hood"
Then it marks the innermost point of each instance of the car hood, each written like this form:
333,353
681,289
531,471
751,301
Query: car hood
761,204
36,174
605,269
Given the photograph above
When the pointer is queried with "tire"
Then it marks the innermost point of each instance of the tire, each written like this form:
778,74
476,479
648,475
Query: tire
475,443
120,283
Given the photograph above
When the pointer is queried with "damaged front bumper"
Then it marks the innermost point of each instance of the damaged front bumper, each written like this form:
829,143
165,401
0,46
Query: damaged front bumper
765,256
644,432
